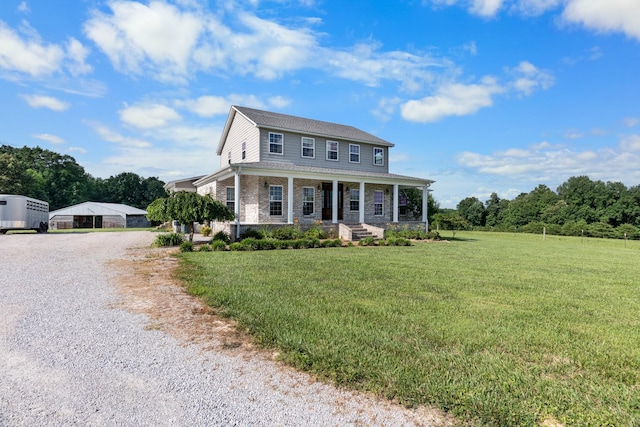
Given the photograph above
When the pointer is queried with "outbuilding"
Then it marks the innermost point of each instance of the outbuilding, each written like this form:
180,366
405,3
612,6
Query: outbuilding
98,215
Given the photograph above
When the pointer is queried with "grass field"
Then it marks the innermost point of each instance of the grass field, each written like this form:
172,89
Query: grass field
498,329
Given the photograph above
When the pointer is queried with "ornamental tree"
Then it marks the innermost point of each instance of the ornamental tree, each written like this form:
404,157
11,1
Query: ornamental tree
188,208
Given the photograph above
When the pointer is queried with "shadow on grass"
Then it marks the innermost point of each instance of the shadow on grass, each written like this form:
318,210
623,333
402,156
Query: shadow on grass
458,239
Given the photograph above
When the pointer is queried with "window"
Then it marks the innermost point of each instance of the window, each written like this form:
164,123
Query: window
275,143
378,156
3,202
308,196
244,150
354,200
275,200
354,153
308,147
229,157
231,198
402,203
378,203
332,150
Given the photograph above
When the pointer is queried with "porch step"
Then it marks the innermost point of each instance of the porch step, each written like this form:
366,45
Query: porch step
358,232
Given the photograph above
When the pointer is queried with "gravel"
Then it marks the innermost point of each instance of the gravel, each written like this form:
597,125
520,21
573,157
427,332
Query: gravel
70,355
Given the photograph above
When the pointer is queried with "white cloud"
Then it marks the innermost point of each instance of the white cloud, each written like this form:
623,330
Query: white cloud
452,100
148,116
112,136
386,108
38,101
23,7
53,139
631,122
29,56
279,101
555,163
136,33
527,78
605,15
77,55
206,106
77,150
486,8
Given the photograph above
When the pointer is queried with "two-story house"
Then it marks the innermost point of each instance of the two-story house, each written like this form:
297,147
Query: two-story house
281,169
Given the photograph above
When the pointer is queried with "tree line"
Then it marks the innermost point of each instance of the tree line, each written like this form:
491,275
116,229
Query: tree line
61,181
579,206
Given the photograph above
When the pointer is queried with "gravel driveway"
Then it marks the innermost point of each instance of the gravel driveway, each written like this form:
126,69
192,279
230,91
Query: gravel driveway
71,355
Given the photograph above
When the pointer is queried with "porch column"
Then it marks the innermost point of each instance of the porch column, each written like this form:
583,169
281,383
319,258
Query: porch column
425,207
361,203
395,202
290,200
334,208
236,202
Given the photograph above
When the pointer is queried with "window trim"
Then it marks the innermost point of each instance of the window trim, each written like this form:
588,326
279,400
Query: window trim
229,156
353,200
351,153
271,200
376,203
312,192
337,151
381,156
233,200
244,150
281,144
313,147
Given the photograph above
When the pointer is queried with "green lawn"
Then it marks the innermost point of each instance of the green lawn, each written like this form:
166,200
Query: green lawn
498,329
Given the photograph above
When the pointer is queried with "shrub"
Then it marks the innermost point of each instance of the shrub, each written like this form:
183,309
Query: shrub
264,244
396,241
222,236
205,230
287,233
331,243
204,248
315,232
367,241
250,233
168,239
186,247
433,235
218,245
237,246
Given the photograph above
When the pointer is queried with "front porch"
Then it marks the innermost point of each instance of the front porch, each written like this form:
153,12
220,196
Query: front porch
273,196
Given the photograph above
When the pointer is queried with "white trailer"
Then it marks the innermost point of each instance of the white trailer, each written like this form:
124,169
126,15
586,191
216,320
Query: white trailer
23,213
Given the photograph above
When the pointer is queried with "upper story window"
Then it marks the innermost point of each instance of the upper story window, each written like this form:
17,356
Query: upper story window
244,150
354,153
332,150
276,143
308,148
229,157
378,156
231,198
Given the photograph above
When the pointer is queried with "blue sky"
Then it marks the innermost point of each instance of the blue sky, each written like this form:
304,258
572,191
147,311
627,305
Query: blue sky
481,96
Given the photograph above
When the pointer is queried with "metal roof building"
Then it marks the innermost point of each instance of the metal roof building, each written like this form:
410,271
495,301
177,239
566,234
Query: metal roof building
98,215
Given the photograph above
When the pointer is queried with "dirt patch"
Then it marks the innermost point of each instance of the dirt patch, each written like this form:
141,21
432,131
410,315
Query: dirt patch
146,279
147,283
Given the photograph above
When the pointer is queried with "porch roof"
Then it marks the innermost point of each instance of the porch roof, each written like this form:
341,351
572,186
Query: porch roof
309,172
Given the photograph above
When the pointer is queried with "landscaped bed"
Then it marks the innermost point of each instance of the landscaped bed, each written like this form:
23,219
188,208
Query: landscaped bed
495,328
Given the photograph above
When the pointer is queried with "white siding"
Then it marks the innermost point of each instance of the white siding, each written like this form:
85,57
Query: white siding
241,130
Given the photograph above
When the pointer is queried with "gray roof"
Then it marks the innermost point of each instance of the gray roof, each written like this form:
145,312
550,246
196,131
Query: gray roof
98,208
285,122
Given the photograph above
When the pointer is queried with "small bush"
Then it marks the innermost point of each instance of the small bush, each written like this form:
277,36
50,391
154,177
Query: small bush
186,247
205,230
222,236
315,232
237,246
250,233
433,235
331,243
250,243
286,233
218,245
204,248
168,239
264,244
367,241
396,241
